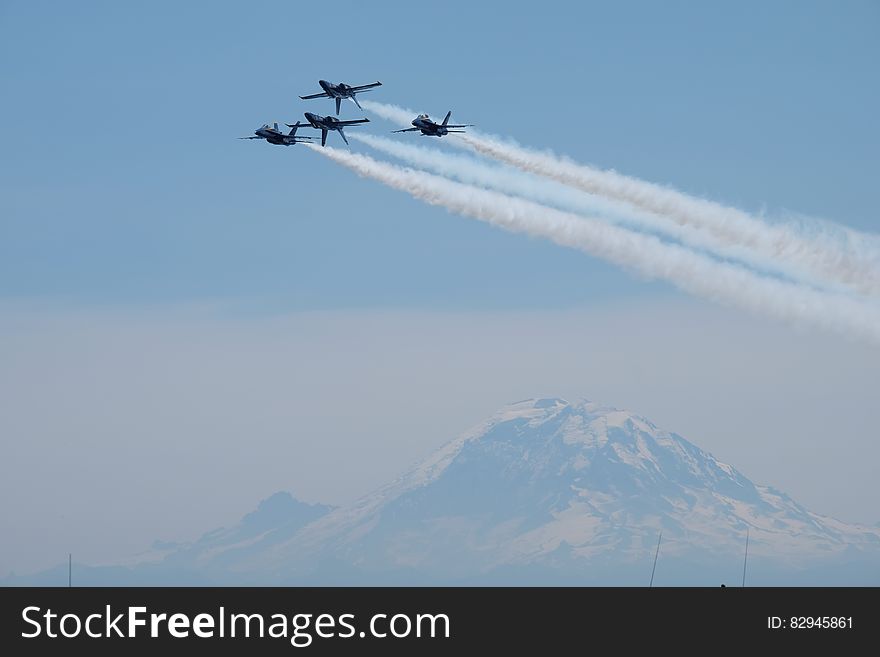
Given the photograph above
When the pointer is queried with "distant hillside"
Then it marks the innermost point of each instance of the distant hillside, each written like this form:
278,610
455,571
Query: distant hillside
542,492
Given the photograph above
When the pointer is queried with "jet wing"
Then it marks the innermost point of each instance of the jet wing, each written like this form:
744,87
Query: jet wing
353,122
321,95
466,125
406,130
253,137
366,87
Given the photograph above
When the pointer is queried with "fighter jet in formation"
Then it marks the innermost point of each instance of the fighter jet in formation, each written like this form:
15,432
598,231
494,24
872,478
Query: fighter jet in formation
430,128
274,136
327,123
422,123
340,91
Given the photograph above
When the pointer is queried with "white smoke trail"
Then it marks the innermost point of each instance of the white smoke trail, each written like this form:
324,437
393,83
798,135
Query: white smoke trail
831,252
846,258
690,271
393,113
470,170
550,192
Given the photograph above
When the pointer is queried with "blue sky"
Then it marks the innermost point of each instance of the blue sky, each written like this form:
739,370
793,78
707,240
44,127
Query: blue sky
194,322
122,181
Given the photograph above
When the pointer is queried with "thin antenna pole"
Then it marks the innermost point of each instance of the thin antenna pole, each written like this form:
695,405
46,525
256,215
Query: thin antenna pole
69,569
655,559
746,558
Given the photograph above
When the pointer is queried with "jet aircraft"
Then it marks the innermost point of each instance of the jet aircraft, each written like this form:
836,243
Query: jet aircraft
430,128
340,91
327,123
274,136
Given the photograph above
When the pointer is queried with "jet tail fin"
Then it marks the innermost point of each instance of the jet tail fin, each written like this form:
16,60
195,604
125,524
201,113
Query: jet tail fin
354,98
276,126
342,134
448,114
338,105
323,136
292,128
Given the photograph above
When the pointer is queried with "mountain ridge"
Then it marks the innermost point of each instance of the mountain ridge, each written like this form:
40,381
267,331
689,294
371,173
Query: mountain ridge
542,491
585,479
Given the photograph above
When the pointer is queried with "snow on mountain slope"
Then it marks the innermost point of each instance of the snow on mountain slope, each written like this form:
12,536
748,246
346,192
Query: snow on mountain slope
542,492
544,481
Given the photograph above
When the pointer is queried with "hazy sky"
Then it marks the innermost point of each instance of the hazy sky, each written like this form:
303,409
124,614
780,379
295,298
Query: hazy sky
190,322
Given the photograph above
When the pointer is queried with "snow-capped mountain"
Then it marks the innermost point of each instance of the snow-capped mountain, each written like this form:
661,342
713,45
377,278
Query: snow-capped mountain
542,492
575,490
